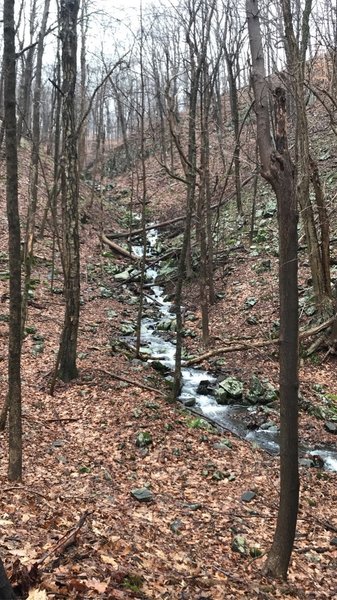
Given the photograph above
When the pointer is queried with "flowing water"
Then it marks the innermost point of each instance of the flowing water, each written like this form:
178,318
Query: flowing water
161,347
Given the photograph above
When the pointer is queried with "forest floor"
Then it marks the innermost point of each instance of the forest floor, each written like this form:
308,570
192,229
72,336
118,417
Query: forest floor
73,523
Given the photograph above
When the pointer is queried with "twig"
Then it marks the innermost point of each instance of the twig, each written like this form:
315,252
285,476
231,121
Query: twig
66,540
319,549
327,525
64,419
131,382
25,489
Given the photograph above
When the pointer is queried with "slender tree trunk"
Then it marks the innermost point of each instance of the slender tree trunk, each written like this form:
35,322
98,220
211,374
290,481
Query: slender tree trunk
34,187
233,95
69,194
83,64
14,354
278,170
296,59
144,190
25,107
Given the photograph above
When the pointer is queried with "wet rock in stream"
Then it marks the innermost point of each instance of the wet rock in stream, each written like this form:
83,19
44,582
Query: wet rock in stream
229,391
205,387
260,392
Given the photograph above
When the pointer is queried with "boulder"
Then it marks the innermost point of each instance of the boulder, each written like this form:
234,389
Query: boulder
260,392
229,391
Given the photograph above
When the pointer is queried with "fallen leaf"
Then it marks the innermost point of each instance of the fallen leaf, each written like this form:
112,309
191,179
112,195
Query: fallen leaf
98,586
109,560
37,595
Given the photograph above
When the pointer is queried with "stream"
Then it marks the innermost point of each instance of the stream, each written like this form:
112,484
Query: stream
160,346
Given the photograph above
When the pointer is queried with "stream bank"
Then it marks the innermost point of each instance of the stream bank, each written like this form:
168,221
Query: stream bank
253,423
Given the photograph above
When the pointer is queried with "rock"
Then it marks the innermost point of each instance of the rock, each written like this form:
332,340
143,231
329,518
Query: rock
252,320
219,475
249,303
260,392
269,210
229,391
264,266
176,525
306,462
58,443
105,292
205,387
167,325
268,425
127,329
333,541
123,276
330,426
248,496
160,367
223,445
193,506
189,401
142,494
239,544
144,439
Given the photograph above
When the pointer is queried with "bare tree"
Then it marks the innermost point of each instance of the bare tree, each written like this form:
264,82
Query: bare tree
317,235
14,240
278,171
34,187
69,193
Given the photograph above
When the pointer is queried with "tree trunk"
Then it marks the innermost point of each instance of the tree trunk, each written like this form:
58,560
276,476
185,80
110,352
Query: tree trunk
278,170
34,187
296,59
69,194
6,590
14,353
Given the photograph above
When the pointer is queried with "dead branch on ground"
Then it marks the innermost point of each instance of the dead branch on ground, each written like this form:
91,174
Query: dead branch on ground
238,346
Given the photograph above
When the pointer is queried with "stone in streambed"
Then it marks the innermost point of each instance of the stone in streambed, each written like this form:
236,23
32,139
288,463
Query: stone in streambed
229,391
160,367
205,387
189,401
260,392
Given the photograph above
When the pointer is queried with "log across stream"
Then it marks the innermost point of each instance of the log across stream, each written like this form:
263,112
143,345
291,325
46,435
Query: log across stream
161,347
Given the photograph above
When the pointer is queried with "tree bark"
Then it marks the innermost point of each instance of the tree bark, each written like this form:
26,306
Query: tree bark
278,170
14,241
69,194
34,187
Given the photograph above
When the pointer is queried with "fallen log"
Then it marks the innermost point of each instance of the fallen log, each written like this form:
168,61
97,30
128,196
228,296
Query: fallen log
132,382
240,347
118,249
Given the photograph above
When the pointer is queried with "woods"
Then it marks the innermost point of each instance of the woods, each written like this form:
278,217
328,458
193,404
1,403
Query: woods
168,299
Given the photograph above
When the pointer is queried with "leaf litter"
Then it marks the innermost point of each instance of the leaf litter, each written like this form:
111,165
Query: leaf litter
81,463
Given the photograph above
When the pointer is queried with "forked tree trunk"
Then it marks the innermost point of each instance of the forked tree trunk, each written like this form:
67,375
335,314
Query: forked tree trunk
14,352
278,170
69,194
